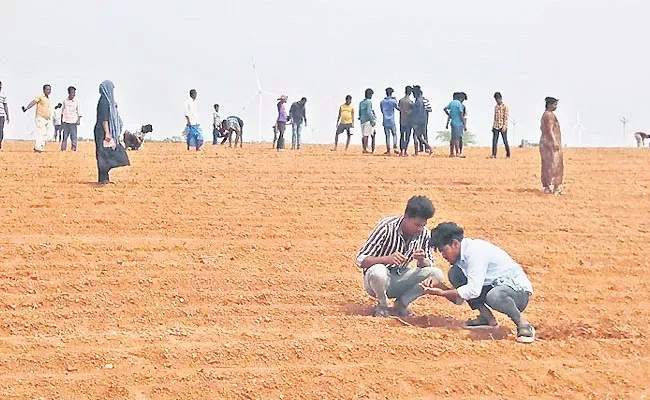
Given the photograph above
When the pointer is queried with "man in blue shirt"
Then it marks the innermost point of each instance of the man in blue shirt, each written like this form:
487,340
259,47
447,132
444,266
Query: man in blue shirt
483,275
367,118
388,106
456,113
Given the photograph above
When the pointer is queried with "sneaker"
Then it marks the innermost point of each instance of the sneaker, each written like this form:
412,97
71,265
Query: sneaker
525,334
479,323
548,190
380,311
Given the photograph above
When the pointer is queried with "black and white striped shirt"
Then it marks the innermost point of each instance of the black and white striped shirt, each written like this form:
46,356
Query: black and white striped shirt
387,238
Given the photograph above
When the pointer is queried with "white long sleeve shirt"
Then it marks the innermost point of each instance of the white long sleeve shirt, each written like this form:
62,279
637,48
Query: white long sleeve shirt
485,264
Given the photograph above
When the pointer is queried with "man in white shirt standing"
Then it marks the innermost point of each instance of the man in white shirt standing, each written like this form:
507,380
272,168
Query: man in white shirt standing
71,118
4,114
194,135
484,276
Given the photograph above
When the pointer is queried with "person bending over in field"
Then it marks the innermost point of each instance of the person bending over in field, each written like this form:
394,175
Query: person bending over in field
483,275
385,257
640,138
232,125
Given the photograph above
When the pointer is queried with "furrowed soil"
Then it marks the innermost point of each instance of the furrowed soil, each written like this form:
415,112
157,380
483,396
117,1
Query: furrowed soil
230,274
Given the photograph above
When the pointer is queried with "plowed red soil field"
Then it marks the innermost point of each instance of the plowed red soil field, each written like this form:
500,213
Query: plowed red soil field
230,275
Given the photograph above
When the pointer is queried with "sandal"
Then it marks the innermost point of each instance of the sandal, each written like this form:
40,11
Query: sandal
479,322
525,334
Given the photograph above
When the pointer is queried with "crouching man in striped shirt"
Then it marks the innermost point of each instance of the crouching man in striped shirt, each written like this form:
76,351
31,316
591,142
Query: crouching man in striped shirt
385,258
485,276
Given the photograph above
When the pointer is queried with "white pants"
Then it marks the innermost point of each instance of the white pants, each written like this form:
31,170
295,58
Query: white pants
43,128
366,129
404,285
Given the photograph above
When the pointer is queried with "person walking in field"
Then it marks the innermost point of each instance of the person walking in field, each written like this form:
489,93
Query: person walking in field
500,125
71,119
43,117
344,122
550,149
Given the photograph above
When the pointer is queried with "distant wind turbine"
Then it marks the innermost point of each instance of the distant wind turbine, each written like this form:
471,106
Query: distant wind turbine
259,95
624,121
578,129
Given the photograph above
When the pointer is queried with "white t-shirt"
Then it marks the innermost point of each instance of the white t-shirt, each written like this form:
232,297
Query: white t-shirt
192,111
56,116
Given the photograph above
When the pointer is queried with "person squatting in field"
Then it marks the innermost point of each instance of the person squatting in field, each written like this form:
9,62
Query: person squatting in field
484,276
385,257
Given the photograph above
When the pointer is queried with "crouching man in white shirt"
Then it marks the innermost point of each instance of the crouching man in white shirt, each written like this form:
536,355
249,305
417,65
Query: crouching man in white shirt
483,275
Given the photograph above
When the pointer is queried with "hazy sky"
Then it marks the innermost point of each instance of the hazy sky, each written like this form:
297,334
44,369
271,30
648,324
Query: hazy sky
588,53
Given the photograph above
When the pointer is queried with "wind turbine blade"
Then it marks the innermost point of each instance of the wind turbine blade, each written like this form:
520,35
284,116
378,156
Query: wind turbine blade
257,78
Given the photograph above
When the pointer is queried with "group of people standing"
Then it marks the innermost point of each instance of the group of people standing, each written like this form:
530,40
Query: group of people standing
414,110
297,118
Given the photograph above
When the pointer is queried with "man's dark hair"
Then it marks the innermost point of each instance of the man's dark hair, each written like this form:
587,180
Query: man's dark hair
304,99
71,88
47,85
216,105
498,96
348,97
369,93
389,91
444,234
458,96
464,96
192,91
408,90
550,100
420,207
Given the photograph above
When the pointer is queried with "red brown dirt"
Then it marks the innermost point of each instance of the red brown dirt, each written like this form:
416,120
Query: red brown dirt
177,282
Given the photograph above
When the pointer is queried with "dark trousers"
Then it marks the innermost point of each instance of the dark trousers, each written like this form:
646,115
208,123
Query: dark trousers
419,138
495,141
405,136
501,298
2,130
102,174
426,134
282,127
69,130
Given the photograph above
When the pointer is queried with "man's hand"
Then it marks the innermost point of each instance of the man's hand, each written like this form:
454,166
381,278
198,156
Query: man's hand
8,120
108,138
419,254
396,258
433,291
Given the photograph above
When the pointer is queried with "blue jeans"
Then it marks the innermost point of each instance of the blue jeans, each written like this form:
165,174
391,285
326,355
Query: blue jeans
389,131
296,129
